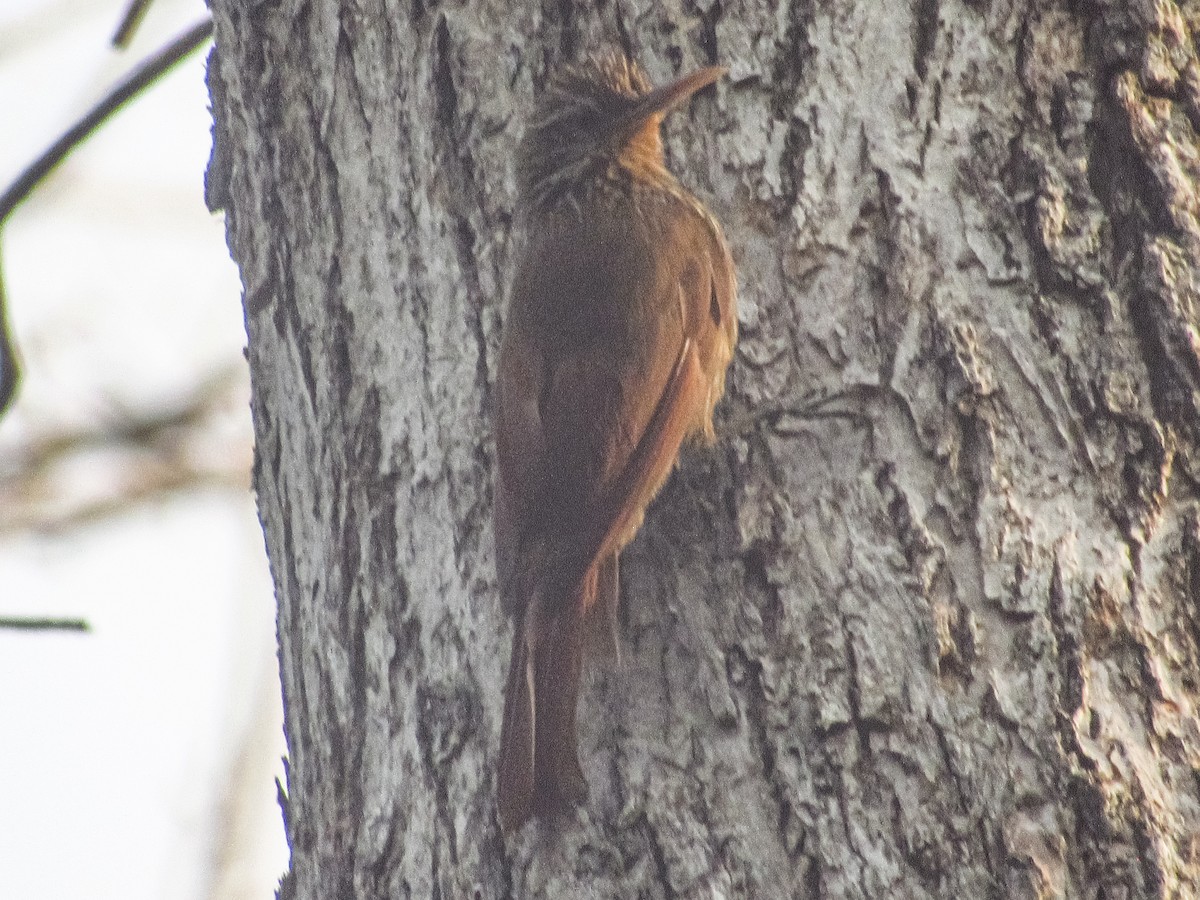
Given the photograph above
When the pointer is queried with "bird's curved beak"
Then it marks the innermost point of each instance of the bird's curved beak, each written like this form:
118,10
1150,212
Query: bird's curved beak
661,100
666,98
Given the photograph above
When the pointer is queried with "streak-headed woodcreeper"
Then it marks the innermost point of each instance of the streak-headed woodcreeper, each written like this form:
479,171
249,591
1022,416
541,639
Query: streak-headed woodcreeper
619,329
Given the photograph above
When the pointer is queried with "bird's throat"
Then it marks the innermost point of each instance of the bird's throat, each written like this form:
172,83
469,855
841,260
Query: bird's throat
642,155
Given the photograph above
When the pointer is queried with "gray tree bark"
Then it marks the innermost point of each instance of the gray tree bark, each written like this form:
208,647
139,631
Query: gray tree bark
936,637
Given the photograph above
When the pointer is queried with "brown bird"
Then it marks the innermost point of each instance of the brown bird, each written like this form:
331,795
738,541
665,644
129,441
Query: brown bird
620,326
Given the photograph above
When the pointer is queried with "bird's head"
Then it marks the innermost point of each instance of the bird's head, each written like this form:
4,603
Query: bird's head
591,115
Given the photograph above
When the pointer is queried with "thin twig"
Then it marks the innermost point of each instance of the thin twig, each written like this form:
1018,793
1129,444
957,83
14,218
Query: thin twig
143,431
20,623
129,23
149,456
135,82
10,369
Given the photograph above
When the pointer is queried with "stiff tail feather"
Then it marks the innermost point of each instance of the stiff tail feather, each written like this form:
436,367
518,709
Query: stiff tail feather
539,763
539,771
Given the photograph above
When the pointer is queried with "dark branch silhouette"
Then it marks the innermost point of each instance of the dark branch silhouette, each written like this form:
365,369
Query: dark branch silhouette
134,14
134,83
21,623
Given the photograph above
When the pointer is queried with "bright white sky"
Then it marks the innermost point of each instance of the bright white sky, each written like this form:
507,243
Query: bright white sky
136,761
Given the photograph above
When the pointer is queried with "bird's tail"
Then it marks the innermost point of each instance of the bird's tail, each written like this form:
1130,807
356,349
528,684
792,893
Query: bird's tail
539,771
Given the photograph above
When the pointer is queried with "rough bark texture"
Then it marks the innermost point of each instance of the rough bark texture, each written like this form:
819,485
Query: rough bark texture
939,640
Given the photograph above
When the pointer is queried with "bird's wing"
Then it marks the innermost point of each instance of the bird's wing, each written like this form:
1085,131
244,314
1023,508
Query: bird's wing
624,498
601,378
520,451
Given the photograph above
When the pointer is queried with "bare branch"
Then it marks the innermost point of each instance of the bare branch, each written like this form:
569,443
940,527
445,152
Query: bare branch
134,14
66,479
21,623
133,84
10,371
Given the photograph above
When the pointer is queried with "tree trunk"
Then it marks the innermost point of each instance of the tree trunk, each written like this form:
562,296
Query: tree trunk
935,636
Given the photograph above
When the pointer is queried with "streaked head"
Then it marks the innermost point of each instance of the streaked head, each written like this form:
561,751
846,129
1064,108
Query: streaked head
590,115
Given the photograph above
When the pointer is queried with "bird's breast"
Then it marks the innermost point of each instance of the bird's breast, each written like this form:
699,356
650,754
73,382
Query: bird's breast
595,280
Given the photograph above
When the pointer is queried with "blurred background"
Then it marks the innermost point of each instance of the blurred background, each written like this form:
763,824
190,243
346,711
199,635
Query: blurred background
138,758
